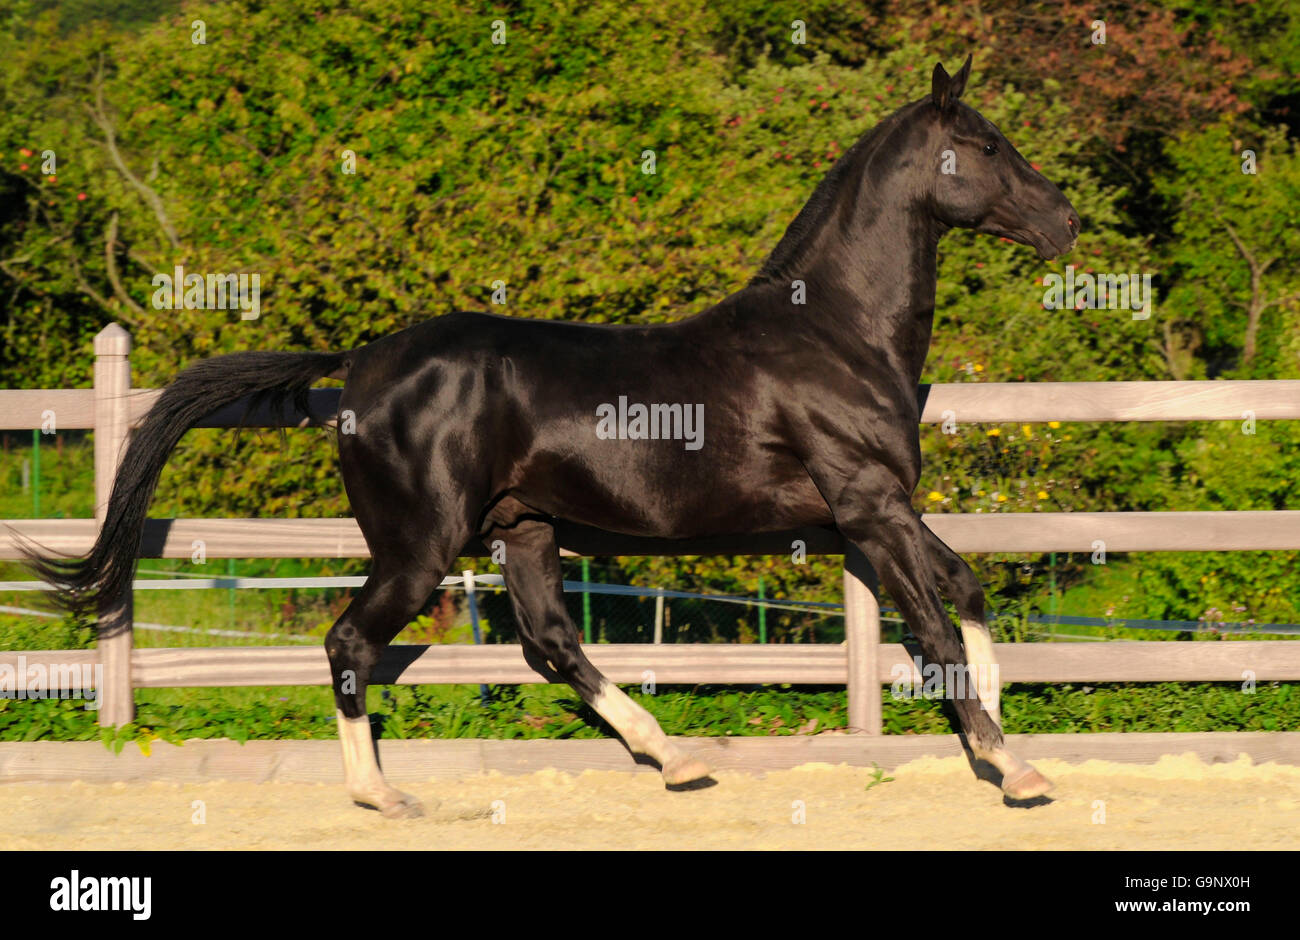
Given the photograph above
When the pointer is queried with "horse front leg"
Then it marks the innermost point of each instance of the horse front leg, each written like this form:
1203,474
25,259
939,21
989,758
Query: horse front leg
958,584
874,512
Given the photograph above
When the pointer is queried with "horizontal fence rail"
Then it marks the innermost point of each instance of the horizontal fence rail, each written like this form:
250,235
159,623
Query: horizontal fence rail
698,663
1011,532
862,663
969,402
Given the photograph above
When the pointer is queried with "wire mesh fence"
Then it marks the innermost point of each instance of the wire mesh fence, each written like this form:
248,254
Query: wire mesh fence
629,618
616,613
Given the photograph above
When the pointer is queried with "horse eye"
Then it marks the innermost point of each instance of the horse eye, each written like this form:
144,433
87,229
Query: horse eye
990,149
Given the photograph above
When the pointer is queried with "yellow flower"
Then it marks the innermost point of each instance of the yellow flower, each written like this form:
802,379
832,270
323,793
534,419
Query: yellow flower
1001,498
1053,424
934,496
994,432
1042,494
978,367
1026,430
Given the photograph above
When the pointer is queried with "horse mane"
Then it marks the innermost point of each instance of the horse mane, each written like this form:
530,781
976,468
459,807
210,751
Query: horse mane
820,208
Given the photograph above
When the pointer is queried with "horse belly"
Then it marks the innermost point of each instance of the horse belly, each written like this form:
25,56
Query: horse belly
679,497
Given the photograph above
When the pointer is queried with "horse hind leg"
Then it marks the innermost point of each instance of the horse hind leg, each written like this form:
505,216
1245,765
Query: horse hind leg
551,646
390,598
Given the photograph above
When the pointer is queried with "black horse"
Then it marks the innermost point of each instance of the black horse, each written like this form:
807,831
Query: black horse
759,414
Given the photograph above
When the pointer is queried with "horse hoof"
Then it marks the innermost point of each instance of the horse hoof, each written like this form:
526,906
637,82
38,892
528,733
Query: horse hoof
393,805
1026,784
408,807
685,769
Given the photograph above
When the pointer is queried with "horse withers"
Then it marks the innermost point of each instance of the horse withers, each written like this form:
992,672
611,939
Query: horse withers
474,425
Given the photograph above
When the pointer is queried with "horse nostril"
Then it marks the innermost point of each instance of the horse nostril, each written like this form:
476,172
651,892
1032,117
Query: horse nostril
1072,220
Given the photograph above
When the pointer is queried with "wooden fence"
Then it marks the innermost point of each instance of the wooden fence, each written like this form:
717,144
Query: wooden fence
862,663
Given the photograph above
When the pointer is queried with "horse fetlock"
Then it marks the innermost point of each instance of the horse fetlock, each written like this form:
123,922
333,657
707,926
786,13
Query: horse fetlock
636,726
365,781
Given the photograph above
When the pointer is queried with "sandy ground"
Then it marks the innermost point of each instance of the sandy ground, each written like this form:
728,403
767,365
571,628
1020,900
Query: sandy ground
1178,803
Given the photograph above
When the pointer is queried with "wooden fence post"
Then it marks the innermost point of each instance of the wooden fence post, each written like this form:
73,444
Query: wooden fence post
659,615
862,633
112,425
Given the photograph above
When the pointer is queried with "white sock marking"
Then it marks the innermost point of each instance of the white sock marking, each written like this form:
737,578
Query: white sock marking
364,780
978,642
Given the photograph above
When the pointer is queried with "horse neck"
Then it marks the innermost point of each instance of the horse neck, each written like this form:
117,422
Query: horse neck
881,272
867,249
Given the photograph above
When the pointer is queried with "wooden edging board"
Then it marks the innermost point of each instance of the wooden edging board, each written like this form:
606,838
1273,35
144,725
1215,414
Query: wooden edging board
320,761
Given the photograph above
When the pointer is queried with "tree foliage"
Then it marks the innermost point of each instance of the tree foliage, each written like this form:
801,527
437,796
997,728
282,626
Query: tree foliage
524,163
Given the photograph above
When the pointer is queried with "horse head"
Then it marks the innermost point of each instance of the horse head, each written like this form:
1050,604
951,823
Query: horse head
983,183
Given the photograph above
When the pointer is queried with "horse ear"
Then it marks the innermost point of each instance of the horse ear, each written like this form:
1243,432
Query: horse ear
958,83
939,85
945,90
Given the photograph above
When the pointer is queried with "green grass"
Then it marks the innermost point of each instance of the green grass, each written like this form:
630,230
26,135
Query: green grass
877,777
67,483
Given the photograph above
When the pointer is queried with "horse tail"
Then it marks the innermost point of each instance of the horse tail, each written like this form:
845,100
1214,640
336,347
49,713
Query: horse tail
90,582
